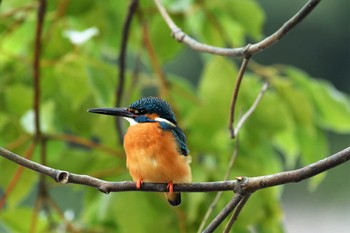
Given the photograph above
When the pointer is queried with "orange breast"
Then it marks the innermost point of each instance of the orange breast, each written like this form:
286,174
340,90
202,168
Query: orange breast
152,156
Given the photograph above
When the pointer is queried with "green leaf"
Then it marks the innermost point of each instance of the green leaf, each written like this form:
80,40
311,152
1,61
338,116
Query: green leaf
211,115
250,15
19,220
297,101
23,187
101,80
332,106
18,99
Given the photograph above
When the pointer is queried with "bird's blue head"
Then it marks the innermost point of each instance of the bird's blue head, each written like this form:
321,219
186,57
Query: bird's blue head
153,105
142,110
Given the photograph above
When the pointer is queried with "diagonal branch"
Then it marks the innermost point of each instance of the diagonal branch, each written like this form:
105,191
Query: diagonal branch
224,213
236,213
248,50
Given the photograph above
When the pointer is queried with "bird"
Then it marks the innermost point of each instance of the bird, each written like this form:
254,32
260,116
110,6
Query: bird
155,147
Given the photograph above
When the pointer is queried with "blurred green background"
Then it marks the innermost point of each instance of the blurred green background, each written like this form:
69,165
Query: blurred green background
301,119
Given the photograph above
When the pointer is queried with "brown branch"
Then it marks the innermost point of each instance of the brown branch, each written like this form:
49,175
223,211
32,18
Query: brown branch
242,185
224,213
236,213
36,66
248,50
122,59
235,95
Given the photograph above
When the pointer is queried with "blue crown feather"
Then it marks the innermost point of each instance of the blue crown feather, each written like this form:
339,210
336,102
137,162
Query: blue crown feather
155,105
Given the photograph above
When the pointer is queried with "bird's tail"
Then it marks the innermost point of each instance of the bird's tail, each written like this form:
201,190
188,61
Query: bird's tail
173,198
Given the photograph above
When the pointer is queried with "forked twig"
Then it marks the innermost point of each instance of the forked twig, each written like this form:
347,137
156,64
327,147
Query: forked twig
249,112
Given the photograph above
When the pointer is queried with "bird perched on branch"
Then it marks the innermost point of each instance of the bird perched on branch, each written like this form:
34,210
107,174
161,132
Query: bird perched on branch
155,146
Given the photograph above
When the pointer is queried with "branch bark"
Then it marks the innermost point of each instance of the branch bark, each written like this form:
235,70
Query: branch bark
246,51
122,60
240,185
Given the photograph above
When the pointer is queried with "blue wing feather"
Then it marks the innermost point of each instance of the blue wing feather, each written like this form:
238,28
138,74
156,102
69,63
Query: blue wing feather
179,136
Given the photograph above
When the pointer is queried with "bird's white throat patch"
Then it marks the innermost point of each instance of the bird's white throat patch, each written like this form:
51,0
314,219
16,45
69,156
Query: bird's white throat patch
131,121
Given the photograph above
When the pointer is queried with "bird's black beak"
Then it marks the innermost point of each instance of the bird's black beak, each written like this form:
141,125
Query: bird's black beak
122,112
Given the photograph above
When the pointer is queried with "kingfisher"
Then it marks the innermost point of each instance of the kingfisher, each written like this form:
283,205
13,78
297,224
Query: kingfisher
155,146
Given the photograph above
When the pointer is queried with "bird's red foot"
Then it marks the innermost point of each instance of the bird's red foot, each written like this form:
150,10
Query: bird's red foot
139,183
170,187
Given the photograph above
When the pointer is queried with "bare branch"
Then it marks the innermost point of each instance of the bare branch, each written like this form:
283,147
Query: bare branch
242,185
224,213
36,65
236,213
248,50
235,95
122,57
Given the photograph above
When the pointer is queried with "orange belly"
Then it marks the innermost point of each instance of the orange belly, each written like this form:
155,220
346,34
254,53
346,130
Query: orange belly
152,155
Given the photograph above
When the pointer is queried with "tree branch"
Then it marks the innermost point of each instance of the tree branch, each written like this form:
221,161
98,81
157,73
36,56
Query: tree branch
248,50
36,66
236,213
241,185
122,57
224,213
235,95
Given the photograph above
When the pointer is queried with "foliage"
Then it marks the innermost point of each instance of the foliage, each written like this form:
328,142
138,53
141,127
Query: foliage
286,130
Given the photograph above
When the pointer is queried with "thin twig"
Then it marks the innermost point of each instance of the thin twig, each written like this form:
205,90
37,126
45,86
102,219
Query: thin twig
235,95
122,60
224,213
242,185
36,66
180,36
251,109
236,213
219,194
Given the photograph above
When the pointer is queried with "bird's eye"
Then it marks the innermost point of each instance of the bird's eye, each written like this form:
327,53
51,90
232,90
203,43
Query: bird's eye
142,111
137,111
